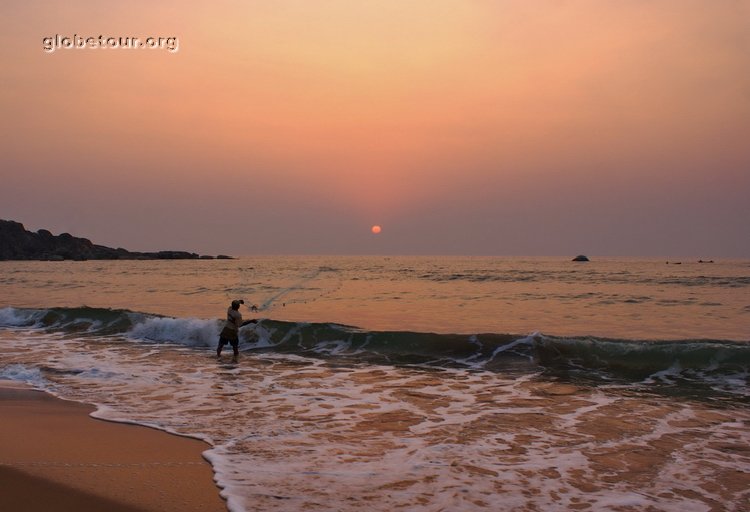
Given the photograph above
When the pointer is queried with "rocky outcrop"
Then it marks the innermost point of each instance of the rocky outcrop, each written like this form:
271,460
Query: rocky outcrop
580,257
16,243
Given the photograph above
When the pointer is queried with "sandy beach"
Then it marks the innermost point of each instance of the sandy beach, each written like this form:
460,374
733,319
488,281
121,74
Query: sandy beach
54,456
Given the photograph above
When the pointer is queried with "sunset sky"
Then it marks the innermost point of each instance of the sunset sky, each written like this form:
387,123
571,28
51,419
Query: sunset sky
477,127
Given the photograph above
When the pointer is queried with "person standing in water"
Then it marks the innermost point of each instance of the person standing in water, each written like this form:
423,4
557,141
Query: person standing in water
231,331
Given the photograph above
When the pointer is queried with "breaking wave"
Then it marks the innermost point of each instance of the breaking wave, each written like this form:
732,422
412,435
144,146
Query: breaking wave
720,364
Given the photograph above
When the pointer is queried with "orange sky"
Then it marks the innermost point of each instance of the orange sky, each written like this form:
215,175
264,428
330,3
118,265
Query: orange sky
477,127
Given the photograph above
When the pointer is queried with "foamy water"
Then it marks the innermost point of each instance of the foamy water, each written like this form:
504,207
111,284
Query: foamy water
325,417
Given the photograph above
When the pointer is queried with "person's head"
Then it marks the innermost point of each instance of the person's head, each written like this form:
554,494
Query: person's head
236,304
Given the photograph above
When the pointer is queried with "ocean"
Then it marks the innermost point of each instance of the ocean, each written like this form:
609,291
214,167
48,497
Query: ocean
412,383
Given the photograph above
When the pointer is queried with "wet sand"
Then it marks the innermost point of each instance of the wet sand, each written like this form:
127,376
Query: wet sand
54,456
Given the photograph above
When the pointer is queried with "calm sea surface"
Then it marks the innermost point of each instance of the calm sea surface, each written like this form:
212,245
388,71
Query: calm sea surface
415,383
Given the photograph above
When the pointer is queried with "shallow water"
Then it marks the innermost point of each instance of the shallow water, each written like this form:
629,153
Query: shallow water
324,417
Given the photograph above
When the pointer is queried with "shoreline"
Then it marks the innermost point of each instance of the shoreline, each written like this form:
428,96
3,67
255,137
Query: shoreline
55,456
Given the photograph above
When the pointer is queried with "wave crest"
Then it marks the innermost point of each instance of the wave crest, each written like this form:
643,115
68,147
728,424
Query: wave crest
579,357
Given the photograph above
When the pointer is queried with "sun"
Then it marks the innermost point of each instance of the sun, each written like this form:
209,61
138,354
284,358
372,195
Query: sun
376,229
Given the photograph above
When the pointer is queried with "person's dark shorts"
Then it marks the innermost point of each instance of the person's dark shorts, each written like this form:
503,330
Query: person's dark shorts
224,341
229,336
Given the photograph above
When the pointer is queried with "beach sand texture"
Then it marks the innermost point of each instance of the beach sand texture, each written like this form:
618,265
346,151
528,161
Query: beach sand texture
53,456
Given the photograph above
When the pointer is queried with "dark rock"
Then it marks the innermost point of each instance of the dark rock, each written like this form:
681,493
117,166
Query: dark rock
580,257
16,243
205,257
167,255
224,257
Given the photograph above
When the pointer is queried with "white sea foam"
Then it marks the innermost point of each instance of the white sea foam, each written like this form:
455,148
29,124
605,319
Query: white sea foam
186,331
290,432
13,317
22,373
526,340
